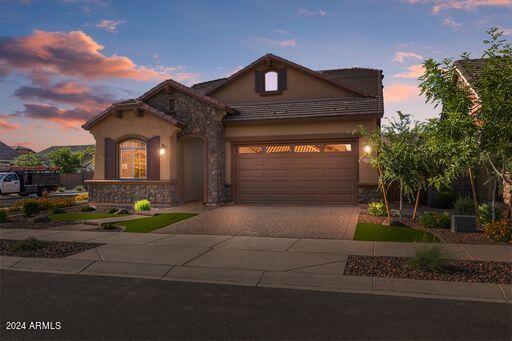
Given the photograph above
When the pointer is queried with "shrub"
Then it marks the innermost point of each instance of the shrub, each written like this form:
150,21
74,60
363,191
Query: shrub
29,244
58,211
435,220
430,258
88,209
3,216
109,226
112,210
142,205
31,208
465,206
61,189
485,214
499,231
444,199
377,209
79,188
82,197
62,202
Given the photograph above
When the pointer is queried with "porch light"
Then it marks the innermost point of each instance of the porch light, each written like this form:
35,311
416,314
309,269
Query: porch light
367,149
162,150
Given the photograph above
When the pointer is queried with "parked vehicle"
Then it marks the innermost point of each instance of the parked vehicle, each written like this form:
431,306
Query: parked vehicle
29,180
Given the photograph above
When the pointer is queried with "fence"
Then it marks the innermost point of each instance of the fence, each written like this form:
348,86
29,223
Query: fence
70,181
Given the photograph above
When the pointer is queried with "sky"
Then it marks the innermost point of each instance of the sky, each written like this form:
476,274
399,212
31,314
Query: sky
63,61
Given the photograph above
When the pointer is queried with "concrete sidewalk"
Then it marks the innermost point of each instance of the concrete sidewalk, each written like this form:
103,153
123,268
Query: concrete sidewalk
314,264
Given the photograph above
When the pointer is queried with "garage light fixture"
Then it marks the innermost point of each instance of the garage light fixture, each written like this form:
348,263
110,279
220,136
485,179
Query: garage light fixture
162,150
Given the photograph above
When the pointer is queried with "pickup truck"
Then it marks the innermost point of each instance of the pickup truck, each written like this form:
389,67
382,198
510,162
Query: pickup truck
29,180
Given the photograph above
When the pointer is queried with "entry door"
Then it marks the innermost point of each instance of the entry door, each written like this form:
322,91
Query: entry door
300,173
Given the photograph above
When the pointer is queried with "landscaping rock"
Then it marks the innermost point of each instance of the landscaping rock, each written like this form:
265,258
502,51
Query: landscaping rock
122,211
37,220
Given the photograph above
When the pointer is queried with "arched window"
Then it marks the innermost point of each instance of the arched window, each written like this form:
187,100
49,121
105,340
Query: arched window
271,81
132,159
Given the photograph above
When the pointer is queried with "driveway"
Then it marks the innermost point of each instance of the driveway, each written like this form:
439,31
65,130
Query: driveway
333,222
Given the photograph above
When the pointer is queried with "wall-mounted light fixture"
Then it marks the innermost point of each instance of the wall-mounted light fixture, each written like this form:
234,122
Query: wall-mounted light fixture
367,149
162,150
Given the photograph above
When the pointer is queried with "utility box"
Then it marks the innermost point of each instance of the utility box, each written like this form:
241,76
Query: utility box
463,223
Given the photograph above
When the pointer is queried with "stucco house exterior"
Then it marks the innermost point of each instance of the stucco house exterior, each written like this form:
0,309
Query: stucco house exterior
274,132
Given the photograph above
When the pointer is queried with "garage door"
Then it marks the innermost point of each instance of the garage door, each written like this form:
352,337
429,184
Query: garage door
301,173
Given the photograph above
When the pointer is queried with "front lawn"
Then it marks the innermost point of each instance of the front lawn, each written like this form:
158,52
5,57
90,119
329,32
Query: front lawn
148,224
381,233
75,216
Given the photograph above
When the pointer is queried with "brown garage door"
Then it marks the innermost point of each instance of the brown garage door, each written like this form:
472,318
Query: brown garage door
301,173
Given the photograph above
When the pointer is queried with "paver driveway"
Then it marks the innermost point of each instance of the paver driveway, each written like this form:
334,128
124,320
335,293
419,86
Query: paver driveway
333,222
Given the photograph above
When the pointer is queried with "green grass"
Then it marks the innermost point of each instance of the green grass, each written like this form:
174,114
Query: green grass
380,233
148,224
75,216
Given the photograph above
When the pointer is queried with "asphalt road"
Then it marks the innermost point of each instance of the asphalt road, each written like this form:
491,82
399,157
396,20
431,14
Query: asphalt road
101,308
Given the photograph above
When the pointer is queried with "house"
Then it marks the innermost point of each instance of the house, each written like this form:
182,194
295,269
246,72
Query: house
275,132
87,165
7,155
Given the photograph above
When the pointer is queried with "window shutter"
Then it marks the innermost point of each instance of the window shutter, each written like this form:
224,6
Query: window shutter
281,79
260,81
110,159
153,157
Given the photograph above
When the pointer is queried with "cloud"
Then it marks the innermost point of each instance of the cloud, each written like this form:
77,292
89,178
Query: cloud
69,118
6,125
110,25
401,56
413,71
68,93
450,22
309,13
282,43
45,54
400,92
506,31
280,31
466,5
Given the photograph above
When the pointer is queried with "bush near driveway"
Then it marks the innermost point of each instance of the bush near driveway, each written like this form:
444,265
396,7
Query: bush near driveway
464,206
435,220
485,214
377,209
376,232
499,231
148,224
142,205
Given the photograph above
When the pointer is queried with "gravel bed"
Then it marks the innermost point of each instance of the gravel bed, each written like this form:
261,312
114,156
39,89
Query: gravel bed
53,249
457,271
446,235
37,226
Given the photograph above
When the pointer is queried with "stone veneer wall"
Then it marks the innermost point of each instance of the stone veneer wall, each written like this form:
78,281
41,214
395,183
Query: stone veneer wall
205,120
368,193
157,192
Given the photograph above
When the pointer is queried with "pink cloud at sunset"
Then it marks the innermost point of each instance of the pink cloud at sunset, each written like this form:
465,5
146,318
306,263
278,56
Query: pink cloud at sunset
6,125
68,118
467,5
68,53
413,72
400,92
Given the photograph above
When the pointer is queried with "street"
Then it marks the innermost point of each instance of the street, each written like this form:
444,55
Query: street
111,308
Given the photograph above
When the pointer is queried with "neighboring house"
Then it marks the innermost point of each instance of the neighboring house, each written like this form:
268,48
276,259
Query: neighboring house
88,164
274,132
23,150
7,155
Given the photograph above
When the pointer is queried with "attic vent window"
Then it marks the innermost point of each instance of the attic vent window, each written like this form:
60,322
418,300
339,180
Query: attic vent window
172,105
271,81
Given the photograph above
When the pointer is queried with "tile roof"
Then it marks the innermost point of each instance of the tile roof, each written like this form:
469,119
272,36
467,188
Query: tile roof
6,152
204,87
334,107
471,69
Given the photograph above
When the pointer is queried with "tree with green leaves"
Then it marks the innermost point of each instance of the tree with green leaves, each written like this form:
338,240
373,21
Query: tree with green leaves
452,139
28,160
64,158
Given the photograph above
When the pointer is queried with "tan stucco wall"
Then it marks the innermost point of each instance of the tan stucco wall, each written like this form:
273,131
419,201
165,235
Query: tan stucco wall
147,126
300,85
367,175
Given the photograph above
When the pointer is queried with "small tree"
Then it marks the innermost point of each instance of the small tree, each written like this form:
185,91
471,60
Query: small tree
64,158
28,160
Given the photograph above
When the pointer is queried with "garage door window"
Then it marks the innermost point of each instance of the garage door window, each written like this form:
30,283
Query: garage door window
250,149
307,148
336,148
279,149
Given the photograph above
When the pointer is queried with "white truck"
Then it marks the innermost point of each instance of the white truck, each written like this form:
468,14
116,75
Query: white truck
29,180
